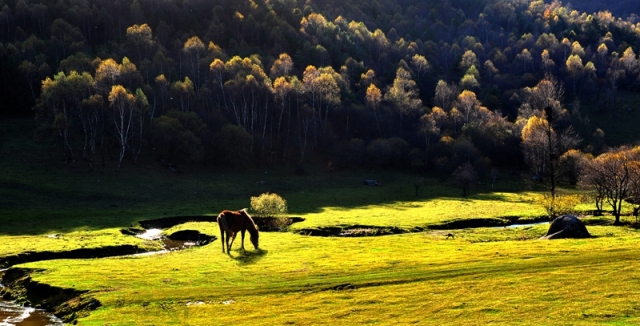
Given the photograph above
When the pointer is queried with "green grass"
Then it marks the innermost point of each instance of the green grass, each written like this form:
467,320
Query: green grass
484,275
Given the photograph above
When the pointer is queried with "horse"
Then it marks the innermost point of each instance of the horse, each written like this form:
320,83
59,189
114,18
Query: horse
231,222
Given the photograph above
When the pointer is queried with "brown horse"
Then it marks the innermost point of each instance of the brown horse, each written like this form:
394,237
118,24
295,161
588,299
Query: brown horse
231,222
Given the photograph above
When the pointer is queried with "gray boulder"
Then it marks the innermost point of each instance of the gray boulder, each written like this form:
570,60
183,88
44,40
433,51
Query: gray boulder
567,227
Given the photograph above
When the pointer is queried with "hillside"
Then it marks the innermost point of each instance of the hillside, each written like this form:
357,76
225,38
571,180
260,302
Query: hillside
415,85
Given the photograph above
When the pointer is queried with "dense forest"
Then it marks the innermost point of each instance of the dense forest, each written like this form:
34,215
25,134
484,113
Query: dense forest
423,85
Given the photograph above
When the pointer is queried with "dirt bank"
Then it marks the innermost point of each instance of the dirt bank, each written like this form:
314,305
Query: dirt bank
67,304
82,253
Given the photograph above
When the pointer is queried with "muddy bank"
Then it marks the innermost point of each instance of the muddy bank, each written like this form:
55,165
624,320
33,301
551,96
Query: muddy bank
264,223
357,231
507,221
364,230
82,253
176,240
67,304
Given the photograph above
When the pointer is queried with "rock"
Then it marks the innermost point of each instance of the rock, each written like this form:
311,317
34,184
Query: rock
567,227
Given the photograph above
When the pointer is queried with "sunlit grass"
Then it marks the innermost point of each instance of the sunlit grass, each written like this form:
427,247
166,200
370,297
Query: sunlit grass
428,212
484,275
15,244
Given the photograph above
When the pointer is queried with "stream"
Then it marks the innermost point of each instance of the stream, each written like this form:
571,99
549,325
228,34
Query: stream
12,314
511,226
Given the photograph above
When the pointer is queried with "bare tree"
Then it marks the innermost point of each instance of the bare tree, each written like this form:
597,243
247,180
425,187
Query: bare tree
465,175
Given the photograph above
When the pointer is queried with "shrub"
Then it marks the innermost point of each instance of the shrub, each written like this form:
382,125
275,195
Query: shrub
563,204
270,206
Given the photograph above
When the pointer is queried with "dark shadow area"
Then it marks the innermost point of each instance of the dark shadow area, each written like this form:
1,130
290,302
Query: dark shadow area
82,253
247,257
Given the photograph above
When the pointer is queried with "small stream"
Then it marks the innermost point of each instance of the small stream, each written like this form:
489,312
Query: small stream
12,314
512,226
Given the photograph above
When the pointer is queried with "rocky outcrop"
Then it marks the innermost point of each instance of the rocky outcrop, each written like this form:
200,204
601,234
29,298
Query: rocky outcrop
567,227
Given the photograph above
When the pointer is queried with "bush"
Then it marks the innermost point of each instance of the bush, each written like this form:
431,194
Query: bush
270,206
563,204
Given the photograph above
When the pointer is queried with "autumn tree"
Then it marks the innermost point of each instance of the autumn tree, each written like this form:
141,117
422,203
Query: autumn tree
403,94
575,68
194,49
445,95
122,102
612,175
373,99
141,38
542,145
421,65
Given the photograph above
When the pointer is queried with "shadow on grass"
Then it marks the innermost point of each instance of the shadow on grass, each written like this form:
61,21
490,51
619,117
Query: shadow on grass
38,194
246,257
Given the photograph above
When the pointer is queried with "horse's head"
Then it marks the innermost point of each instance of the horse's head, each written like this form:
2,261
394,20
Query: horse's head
252,228
255,240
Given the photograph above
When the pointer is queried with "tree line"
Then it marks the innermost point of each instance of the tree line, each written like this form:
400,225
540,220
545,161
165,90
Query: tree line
429,86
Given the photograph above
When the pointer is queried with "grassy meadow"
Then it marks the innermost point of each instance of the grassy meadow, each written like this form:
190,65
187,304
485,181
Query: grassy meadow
483,275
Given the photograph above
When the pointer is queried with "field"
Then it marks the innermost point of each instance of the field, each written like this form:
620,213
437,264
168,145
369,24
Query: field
483,275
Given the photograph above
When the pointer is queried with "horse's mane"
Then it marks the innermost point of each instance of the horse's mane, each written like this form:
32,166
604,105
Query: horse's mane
253,229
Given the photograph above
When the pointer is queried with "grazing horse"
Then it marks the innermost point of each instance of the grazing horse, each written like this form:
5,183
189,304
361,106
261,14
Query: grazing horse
231,222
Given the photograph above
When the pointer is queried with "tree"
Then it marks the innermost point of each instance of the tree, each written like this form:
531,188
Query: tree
465,175
575,68
282,88
490,70
107,75
373,99
281,67
93,113
140,36
542,146
122,103
177,136
571,164
194,48
526,58
612,175
429,128
403,95
469,59
140,111
468,105
421,65
445,95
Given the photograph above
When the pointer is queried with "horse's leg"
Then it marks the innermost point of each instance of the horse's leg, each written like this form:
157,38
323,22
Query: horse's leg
222,233
242,232
233,238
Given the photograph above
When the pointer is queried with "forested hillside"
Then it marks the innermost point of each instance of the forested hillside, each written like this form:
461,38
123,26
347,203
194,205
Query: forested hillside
427,85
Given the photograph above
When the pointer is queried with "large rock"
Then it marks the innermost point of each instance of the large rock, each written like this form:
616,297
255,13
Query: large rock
567,227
